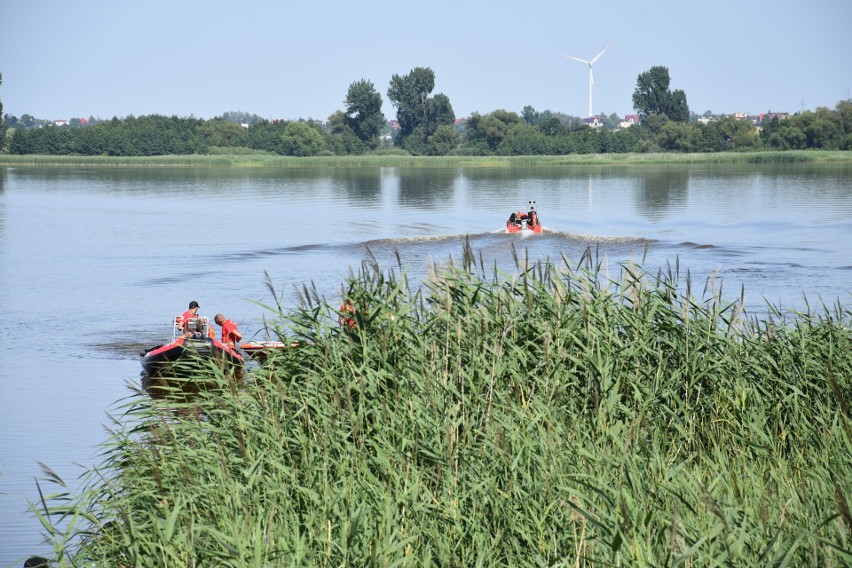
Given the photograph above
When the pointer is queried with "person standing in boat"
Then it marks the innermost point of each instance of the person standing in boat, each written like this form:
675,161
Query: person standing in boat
230,334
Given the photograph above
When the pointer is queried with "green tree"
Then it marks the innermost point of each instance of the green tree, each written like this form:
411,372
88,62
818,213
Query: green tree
488,131
419,115
342,140
524,140
287,138
409,93
678,109
240,117
785,137
712,138
266,136
531,116
303,139
27,121
653,97
625,140
364,112
439,112
739,134
551,126
221,133
844,116
444,140
548,121
823,129
611,122
678,137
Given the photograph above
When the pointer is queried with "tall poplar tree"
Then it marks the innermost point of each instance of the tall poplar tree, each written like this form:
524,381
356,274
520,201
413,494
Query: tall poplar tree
419,115
652,96
364,112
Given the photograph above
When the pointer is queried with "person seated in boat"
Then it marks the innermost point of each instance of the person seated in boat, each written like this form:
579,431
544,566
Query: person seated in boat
188,315
516,218
230,334
532,216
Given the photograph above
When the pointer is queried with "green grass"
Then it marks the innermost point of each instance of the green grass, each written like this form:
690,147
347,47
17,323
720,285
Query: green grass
242,157
552,417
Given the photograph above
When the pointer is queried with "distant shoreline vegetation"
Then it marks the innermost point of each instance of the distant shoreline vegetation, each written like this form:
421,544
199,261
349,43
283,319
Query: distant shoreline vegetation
499,133
401,160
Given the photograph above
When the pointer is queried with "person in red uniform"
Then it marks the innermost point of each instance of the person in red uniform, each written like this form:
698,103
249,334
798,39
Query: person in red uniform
347,315
189,314
533,218
230,334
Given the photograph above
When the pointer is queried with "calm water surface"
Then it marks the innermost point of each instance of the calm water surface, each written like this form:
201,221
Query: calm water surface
95,263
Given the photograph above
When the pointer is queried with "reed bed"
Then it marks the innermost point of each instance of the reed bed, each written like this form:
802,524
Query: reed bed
557,416
240,158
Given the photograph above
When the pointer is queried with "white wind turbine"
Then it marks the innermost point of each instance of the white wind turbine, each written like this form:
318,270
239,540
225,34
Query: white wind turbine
591,80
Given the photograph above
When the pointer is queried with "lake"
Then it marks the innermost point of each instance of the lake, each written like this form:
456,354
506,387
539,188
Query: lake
95,263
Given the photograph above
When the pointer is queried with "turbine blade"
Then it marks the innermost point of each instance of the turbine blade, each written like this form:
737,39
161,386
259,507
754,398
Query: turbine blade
577,59
598,56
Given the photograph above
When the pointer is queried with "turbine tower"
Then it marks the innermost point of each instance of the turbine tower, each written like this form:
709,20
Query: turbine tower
591,79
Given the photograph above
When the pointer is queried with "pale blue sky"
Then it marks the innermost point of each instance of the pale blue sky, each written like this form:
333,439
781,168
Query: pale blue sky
286,59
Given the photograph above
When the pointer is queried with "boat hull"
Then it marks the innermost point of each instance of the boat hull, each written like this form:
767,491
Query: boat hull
184,356
511,228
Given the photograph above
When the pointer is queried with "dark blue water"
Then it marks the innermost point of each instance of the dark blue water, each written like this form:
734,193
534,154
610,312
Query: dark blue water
94,264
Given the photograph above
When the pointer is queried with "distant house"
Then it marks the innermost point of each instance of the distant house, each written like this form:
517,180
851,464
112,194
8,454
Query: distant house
741,115
594,121
394,123
770,115
629,120
60,122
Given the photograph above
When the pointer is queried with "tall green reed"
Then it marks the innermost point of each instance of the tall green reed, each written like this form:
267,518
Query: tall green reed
556,415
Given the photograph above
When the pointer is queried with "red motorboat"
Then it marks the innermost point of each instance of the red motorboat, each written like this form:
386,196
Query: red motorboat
192,347
524,220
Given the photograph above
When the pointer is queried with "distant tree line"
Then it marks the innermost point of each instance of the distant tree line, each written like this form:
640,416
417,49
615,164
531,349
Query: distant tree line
3,126
426,125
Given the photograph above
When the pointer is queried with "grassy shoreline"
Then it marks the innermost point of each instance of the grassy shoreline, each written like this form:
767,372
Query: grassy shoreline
268,161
